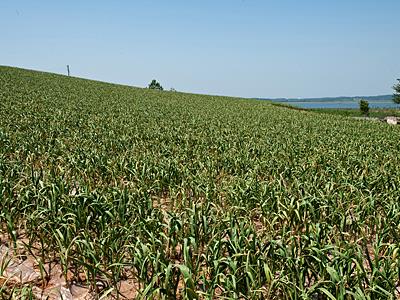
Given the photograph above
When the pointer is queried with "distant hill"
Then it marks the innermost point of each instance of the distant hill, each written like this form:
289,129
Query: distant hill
334,99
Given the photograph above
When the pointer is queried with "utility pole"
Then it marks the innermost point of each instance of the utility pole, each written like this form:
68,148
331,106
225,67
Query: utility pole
68,69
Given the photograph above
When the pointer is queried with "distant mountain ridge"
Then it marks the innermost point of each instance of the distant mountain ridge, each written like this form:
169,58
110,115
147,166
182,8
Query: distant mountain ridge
333,99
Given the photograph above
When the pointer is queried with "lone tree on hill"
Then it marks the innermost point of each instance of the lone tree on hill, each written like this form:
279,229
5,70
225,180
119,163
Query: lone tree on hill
155,85
364,107
396,96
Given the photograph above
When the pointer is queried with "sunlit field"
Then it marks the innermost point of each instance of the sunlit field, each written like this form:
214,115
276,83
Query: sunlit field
171,195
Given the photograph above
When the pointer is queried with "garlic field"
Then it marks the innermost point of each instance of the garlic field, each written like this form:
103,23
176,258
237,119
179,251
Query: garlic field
193,196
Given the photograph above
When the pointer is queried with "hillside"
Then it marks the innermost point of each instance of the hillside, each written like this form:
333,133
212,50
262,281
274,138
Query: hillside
170,195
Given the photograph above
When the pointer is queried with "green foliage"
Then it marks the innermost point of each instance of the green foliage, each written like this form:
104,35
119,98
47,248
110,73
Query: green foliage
364,107
375,112
155,85
197,196
396,96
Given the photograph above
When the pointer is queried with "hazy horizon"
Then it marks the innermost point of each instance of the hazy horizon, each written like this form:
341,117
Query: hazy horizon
253,49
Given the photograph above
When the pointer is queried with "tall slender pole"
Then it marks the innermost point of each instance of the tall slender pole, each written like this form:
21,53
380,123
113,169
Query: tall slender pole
68,69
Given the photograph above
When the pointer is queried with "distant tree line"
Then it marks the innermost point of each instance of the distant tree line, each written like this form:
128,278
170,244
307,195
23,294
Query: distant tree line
364,105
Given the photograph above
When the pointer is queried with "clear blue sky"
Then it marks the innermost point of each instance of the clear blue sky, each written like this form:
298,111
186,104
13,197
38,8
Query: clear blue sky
250,48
